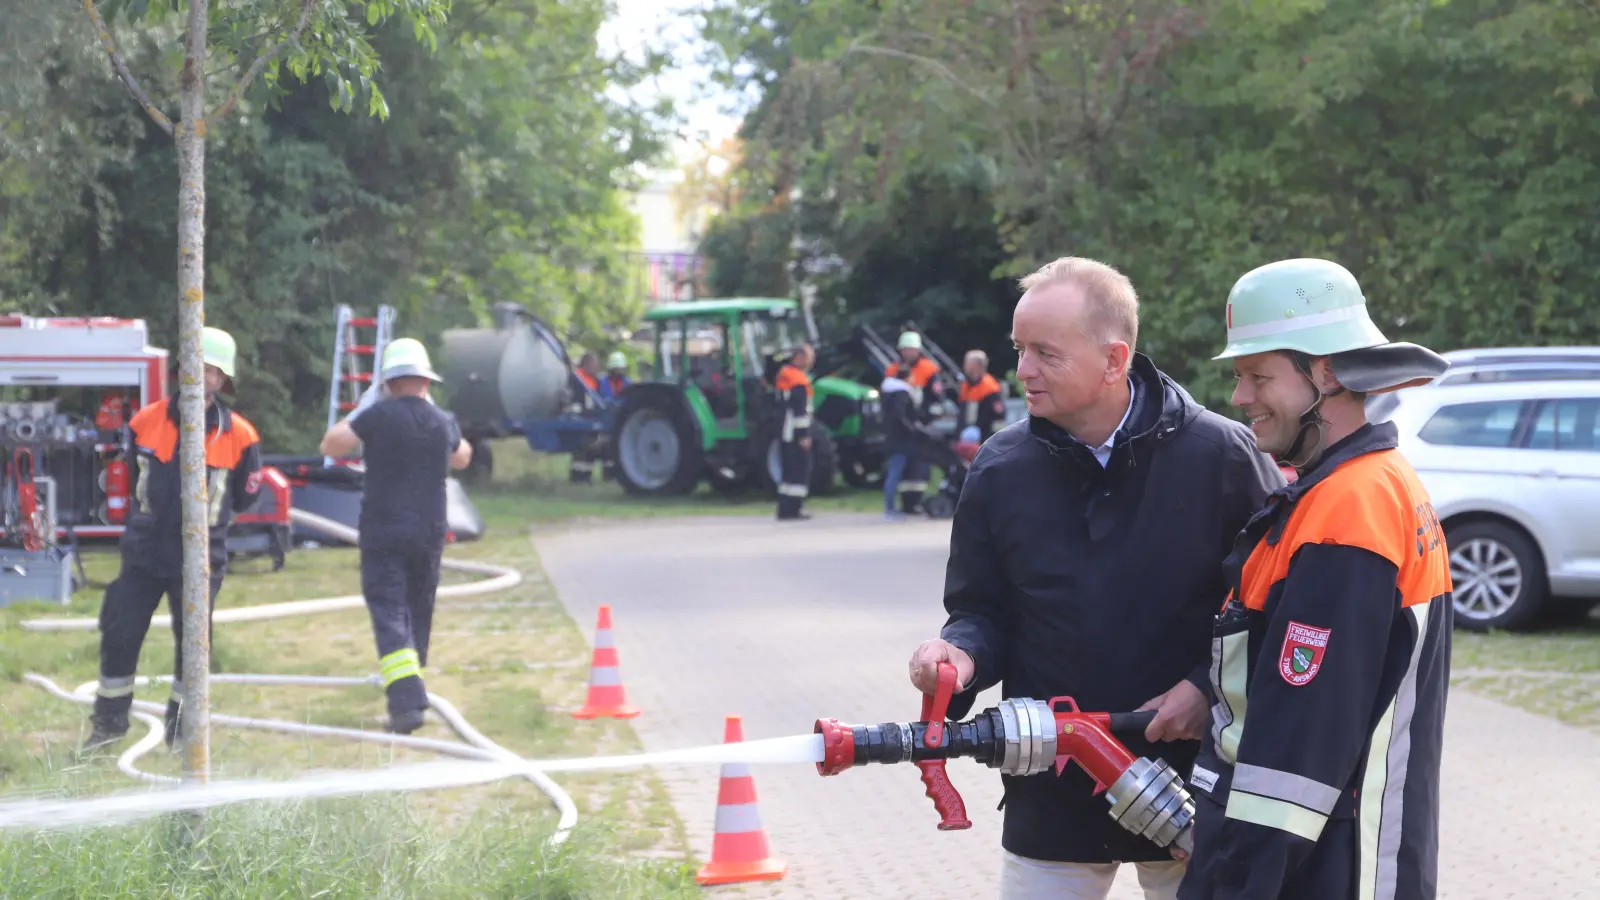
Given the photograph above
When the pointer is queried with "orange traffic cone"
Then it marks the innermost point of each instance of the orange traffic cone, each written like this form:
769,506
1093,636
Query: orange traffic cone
606,696
739,850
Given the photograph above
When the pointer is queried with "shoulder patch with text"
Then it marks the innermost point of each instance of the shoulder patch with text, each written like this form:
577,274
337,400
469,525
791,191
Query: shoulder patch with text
1301,657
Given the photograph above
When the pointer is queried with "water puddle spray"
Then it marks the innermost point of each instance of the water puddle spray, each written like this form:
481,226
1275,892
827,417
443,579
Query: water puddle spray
132,806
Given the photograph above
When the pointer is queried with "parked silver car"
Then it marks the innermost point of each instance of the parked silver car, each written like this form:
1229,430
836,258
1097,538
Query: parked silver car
1508,445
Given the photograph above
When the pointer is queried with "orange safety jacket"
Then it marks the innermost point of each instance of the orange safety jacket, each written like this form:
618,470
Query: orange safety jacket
983,406
1319,775
153,539
795,395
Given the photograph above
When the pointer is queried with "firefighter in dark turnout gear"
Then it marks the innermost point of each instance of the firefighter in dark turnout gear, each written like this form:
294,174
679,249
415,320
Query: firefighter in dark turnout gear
1319,774
585,378
983,403
922,375
794,450
409,446
152,544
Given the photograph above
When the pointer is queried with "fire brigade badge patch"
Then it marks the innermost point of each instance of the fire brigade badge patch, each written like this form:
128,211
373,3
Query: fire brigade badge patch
1301,657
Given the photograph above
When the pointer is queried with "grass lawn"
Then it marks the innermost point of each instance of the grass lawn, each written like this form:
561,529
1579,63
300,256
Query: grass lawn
1553,672
511,662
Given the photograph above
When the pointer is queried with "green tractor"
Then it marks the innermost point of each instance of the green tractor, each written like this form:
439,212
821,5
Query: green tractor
709,410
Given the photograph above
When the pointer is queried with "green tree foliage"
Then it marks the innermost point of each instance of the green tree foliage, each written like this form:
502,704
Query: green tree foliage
497,176
1445,152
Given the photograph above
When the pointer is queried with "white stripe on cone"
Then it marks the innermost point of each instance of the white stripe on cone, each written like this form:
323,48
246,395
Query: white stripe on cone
603,641
605,676
738,818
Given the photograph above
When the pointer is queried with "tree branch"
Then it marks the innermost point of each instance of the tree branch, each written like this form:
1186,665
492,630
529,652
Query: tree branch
264,60
121,67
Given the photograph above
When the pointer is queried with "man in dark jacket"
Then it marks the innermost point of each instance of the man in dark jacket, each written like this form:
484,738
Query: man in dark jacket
1086,561
906,440
409,446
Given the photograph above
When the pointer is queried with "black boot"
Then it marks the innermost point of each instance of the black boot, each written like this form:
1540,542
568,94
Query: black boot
408,697
172,723
106,726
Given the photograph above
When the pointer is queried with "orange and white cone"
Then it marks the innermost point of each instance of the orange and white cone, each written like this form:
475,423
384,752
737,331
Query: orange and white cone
606,696
739,850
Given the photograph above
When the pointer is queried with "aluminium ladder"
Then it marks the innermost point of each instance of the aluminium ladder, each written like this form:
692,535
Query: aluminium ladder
350,378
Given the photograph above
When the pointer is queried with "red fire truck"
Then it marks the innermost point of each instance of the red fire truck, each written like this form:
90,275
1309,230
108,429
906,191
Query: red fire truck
68,387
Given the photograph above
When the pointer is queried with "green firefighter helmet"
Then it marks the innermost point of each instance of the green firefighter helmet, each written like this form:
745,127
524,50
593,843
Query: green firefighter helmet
617,360
407,356
217,348
1315,307
910,339
1311,305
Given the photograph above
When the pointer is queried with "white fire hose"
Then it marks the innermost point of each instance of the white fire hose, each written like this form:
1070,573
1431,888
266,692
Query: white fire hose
476,747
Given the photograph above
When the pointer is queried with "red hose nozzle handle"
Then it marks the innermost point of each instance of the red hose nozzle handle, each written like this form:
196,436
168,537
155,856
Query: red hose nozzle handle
952,811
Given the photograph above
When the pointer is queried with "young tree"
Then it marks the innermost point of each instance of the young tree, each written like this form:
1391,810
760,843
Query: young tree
312,37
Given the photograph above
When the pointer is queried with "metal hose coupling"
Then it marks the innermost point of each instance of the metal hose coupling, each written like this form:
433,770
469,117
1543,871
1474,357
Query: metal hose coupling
1022,736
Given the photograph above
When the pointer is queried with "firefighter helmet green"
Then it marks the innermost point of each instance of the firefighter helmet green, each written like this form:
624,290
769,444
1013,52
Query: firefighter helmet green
910,339
407,357
617,360
1310,305
217,348
1315,307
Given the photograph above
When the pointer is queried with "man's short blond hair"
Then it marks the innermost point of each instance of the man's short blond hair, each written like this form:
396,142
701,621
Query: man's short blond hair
977,356
1112,305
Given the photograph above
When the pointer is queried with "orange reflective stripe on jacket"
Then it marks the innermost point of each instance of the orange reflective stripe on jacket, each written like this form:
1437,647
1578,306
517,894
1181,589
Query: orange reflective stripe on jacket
154,430
972,393
1374,501
790,377
922,372
589,380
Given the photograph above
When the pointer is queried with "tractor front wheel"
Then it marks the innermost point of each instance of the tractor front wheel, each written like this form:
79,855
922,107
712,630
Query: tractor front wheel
656,449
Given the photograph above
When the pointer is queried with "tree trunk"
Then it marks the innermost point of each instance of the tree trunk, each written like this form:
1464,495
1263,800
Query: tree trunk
191,140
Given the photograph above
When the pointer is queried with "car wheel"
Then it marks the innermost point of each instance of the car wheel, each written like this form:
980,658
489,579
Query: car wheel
1498,576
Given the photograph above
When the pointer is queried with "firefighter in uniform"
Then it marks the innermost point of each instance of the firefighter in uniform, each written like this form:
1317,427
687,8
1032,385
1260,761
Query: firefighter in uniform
983,403
1318,775
152,543
922,375
794,452
584,380
616,380
409,445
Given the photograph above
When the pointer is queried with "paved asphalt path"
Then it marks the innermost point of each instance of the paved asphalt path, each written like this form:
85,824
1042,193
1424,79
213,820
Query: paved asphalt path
783,623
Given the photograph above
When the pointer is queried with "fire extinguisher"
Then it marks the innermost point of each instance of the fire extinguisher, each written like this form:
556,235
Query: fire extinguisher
29,524
115,482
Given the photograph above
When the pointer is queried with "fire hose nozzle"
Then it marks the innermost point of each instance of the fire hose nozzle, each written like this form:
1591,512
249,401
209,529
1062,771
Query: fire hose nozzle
1024,737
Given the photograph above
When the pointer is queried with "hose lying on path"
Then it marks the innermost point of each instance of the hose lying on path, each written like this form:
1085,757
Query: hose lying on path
477,746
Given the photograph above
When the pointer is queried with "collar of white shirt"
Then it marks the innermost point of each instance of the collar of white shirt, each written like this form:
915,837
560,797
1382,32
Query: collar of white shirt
1102,453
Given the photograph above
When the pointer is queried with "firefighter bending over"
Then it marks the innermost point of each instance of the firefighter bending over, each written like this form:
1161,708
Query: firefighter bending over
983,404
152,544
794,451
409,446
921,375
1319,774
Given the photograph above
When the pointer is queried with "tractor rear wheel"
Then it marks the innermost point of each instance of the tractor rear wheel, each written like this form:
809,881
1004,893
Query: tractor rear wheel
656,448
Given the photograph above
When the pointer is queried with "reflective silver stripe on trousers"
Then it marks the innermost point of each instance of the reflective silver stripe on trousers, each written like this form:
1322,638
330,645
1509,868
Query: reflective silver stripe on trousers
794,490
605,676
738,818
1384,788
907,487
115,687
580,466
1286,786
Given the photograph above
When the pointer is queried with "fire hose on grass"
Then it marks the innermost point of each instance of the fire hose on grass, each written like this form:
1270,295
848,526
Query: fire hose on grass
477,746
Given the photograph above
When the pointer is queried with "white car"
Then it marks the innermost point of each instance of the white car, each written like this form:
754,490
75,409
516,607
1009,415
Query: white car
1508,445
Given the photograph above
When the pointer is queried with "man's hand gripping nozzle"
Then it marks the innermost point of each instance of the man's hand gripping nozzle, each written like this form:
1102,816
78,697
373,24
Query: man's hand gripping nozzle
1022,736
